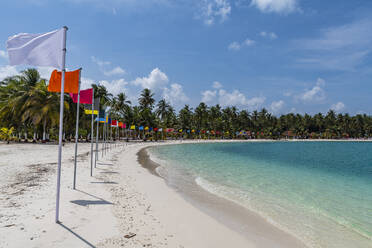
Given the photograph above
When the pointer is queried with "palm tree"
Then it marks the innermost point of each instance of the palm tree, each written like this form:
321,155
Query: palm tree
105,98
121,103
42,107
162,110
146,99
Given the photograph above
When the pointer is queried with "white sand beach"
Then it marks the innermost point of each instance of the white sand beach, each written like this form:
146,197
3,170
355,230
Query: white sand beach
121,198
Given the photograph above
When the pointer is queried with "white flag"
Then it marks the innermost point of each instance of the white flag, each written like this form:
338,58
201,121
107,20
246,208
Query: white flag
36,49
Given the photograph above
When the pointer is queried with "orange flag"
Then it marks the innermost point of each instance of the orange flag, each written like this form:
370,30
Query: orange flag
71,81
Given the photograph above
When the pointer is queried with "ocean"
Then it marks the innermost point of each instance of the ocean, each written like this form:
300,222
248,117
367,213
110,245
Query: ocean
320,192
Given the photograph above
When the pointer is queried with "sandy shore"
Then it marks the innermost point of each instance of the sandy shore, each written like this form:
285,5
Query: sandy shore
120,199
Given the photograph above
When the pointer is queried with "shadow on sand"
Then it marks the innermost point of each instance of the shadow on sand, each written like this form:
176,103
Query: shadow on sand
77,235
99,200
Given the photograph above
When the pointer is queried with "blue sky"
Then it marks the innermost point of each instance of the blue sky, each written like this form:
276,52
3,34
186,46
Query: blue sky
284,55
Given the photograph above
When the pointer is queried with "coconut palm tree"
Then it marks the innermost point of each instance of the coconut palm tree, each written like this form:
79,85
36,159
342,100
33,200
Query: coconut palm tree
146,99
162,110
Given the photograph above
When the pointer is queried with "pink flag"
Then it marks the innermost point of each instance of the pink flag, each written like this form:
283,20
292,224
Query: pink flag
86,96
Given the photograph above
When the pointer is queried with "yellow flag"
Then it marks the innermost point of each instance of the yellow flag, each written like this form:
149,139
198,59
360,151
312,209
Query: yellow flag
89,112
132,127
146,128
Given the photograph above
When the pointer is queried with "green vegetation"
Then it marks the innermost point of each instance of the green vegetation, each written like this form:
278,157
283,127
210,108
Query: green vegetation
27,109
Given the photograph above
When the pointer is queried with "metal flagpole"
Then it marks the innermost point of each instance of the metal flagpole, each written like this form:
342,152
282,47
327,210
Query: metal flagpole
95,161
77,132
103,136
92,137
61,123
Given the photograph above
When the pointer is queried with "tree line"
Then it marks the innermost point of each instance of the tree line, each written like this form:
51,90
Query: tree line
29,111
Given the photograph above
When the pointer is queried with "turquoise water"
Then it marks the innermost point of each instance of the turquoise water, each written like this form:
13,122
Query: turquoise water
321,192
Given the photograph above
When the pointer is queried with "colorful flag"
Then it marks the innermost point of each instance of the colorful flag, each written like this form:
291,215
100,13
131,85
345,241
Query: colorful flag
101,120
146,128
36,49
114,123
140,128
71,81
89,112
133,127
86,96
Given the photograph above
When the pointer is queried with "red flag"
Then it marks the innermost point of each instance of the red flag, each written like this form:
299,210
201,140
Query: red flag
114,123
86,96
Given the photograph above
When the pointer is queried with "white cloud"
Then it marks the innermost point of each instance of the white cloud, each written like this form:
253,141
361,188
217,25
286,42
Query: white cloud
249,42
233,98
212,10
116,71
86,83
115,86
7,71
270,35
338,107
175,95
3,54
315,94
276,6
338,48
239,99
275,107
255,102
156,80
209,96
103,67
234,46
217,85
100,62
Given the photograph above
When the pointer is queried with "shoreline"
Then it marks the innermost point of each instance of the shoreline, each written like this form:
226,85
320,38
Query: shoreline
121,198
236,217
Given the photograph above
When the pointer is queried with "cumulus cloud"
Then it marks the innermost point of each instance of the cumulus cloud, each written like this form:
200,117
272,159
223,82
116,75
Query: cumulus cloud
115,86
3,54
270,35
276,107
116,71
155,80
212,10
315,94
7,71
209,96
86,83
217,85
175,95
338,107
276,6
233,98
236,46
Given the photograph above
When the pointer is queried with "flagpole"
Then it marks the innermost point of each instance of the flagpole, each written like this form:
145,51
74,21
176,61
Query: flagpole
61,123
77,131
91,138
95,161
